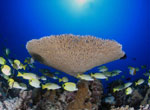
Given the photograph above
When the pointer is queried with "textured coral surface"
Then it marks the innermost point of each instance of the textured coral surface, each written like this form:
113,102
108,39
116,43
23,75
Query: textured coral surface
74,54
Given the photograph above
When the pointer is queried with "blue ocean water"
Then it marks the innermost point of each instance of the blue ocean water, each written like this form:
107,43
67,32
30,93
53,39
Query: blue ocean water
126,21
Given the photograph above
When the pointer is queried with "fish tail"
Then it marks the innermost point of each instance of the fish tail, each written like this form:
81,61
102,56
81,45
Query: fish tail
24,67
78,76
136,83
60,80
25,61
114,90
19,74
43,86
92,74
107,79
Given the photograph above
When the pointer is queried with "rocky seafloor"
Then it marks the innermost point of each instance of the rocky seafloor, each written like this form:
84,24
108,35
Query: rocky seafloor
90,96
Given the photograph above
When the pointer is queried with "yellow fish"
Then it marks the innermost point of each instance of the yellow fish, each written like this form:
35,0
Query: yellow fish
64,79
2,61
85,77
28,75
139,82
29,60
18,65
50,86
43,78
70,86
103,69
133,70
99,76
35,83
118,88
128,91
14,84
6,70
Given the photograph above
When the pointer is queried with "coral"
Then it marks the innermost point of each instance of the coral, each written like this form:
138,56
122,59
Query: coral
17,103
146,107
81,99
96,89
74,54
120,97
88,97
146,99
122,108
136,99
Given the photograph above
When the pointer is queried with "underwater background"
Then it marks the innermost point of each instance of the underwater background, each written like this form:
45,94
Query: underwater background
126,21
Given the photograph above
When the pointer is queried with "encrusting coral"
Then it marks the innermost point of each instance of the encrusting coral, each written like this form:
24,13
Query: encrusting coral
74,54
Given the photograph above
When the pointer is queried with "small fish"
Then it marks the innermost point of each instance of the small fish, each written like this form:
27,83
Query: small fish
143,66
118,88
11,61
149,81
2,61
122,76
14,84
128,84
35,83
18,65
17,62
31,66
128,91
28,76
43,78
7,51
99,76
116,71
132,70
85,77
147,74
107,73
46,72
6,70
5,76
114,74
29,60
50,86
139,82
64,79
70,86
103,69
55,77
